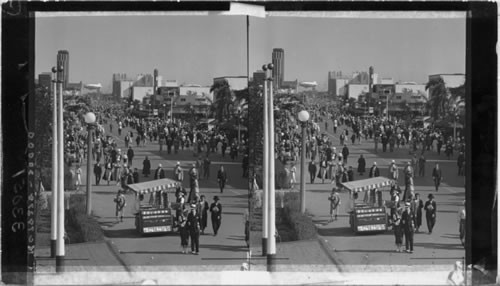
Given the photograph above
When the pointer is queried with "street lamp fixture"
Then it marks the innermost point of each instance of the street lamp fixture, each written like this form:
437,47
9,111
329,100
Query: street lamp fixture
90,119
303,118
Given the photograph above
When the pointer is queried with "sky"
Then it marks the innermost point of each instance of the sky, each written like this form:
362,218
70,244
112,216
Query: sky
195,49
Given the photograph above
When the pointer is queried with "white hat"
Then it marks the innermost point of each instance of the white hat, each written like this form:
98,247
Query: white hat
374,163
178,163
393,162
159,165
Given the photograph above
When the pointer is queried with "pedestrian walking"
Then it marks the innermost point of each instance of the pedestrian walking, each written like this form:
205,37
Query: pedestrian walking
246,220
312,171
193,222
193,182
335,202
244,164
393,171
206,167
397,228
183,230
430,212
361,165
120,204
216,214
203,211
146,167
322,170
78,182
108,170
419,205
421,165
408,224
97,173
374,171
178,172
345,153
437,176
221,178
350,174
461,163
293,178
159,173
130,155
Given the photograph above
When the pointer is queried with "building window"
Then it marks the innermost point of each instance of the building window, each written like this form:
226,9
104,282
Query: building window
387,91
398,97
383,97
183,100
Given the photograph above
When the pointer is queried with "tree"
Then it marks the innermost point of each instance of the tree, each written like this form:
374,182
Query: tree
438,98
223,100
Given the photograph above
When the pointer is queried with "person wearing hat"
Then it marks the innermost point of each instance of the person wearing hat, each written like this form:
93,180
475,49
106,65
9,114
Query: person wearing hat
461,222
221,178
419,205
421,165
183,230
178,172
437,176
335,201
461,163
194,225
312,171
159,173
396,226
120,204
361,165
393,171
408,171
203,211
146,167
430,212
374,171
216,214
408,225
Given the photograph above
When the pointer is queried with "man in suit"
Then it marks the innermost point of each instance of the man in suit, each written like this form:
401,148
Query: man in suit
437,176
408,224
194,225
374,171
97,173
216,214
312,171
159,173
221,178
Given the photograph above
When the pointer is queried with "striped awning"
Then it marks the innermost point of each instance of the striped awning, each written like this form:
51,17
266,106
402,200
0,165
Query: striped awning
368,184
154,186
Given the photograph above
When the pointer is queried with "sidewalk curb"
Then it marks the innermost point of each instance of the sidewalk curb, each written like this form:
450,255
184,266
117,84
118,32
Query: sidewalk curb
329,252
116,254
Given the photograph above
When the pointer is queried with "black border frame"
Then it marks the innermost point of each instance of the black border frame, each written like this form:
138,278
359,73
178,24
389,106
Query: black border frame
481,78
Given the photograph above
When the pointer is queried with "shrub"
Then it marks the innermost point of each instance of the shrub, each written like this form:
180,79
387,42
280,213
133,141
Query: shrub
302,224
80,227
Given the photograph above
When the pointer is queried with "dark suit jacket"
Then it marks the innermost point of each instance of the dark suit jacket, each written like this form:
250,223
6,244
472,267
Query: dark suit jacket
436,172
193,222
374,172
408,221
159,174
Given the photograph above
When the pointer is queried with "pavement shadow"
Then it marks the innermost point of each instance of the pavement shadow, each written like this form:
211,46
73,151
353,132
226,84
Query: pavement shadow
224,247
447,246
236,237
150,252
232,213
122,233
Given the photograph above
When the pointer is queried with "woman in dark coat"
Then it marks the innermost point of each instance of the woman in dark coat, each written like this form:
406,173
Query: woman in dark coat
146,167
361,165
203,211
183,231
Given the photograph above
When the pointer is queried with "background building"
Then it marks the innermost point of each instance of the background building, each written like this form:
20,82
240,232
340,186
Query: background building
235,82
278,58
63,60
258,78
45,80
450,80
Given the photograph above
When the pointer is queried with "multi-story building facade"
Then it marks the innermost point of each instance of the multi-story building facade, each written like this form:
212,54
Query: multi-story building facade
63,61
45,80
278,60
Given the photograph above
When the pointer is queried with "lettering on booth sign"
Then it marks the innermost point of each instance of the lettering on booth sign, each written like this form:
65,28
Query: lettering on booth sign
31,200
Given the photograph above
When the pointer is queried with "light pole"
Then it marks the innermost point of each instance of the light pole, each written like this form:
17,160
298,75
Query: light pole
265,169
172,110
454,125
303,118
90,120
239,119
55,141
164,111
271,243
60,251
